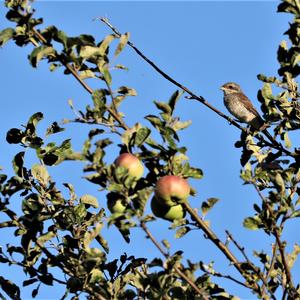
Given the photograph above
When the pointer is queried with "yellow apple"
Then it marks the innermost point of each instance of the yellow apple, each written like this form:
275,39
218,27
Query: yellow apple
115,203
169,213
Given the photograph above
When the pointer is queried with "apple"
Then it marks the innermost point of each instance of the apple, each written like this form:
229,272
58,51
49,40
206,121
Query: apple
171,190
169,213
115,203
130,162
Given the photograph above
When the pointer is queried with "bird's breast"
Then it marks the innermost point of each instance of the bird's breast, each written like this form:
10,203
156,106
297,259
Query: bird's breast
238,109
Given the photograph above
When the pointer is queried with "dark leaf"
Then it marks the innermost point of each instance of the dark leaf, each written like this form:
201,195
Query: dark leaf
29,281
18,163
174,98
14,136
35,291
46,279
54,128
10,288
208,205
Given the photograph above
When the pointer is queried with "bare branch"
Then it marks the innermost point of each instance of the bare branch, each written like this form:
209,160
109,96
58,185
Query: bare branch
281,247
200,99
166,255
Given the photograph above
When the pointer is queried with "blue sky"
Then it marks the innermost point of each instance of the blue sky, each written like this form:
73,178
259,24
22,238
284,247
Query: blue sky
200,44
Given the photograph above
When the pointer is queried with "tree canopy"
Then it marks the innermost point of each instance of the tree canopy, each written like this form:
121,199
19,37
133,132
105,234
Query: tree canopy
58,235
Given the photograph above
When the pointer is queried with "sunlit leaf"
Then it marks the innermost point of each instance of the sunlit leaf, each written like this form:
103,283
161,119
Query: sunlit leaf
90,200
6,35
40,173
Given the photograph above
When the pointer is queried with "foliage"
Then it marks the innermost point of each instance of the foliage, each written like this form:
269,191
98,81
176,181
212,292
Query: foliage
55,231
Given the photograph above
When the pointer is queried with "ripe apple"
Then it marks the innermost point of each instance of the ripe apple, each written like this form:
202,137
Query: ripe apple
171,190
115,203
169,213
130,162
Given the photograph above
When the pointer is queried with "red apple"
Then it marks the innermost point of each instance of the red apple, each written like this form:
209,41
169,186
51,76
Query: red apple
130,162
171,190
169,213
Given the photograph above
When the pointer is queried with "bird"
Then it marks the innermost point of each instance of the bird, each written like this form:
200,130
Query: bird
240,106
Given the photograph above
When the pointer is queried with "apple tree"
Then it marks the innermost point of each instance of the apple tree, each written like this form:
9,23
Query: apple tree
54,229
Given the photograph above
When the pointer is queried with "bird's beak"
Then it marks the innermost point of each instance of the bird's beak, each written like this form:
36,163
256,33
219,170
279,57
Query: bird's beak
222,88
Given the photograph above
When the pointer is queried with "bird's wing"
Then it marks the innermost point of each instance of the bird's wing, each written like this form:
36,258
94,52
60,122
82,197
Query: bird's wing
247,103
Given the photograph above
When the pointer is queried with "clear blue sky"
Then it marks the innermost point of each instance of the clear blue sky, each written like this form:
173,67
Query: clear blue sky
200,44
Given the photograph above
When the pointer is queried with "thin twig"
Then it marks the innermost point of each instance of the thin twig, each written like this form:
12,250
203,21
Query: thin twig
242,249
273,259
250,263
17,263
220,275
212,236
201,99
77,77
278,241
166,255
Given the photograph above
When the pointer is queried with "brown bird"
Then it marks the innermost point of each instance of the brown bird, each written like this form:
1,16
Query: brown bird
239,105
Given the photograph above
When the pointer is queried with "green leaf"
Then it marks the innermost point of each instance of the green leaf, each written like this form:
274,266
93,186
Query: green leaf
267,91
163,107
61,37
123,42
124,90
208,205
106,74
87,74
5,35
292,257
54,128
154,120
90,51
18,163
95,276
90,200
39,53
287,140
45,238
141,136
105,43
182,232
194,173
70,187
289,6
34,119
102,242
90,235
252,223
40,173
174,98
166,244
181,125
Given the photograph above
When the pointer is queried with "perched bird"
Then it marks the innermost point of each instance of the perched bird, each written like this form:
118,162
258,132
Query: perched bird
239,105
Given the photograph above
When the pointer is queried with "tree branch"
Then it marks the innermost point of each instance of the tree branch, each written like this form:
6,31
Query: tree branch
277,235
212,236
200,99
114,114
166,255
